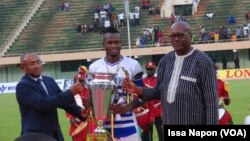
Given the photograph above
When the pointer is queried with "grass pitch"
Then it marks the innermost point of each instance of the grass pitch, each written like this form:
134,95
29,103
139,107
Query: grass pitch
10,126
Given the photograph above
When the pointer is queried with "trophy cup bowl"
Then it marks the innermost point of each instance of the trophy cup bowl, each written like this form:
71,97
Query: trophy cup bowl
101,89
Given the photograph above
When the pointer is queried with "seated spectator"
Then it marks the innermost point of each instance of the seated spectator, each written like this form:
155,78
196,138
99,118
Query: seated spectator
216,37
210,15
62,7
231,20
158,10
246,17
238,32
202,32
78,29
97,9
151,10
183,18
137,43
245,31
148,4
212,34
143,41
66,6
222,33
144,4
85,28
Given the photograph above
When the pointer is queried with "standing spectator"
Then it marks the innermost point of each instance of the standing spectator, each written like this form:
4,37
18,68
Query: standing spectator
132,18
156,30
224,63
39,97
202,32
121,19
155,108
137,18
186,84
236,62
103,15
223,95
62,7
75,123
231,20
160,37
95,25
78,29
225,117
125,126
107,23
96,16
114,20
172,19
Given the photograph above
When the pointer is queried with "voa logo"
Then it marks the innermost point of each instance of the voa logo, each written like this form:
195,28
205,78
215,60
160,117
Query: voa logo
2,88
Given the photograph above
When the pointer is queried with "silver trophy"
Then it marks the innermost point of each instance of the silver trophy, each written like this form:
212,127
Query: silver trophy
101,89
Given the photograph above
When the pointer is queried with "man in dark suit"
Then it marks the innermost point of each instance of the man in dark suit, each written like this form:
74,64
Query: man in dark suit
38,102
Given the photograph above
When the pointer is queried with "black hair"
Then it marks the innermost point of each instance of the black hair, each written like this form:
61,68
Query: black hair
110,30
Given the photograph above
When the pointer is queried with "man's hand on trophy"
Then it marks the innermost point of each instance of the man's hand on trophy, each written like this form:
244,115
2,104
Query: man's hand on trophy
86,103
85,112
128,85
74,121
120,108
76,88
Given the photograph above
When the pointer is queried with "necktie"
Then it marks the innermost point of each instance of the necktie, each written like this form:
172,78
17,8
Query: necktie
40,82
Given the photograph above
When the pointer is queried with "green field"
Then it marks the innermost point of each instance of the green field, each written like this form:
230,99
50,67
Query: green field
10,116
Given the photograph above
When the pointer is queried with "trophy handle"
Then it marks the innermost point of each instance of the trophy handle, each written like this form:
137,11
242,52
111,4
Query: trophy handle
129,95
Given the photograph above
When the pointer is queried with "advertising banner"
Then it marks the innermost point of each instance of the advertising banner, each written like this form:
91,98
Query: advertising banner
234,74
11,87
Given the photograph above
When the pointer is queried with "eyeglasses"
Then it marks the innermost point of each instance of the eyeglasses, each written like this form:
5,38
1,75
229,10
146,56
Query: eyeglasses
33,64
178,35
150,69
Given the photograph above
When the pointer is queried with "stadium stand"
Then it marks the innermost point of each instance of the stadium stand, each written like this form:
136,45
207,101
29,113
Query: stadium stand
53,30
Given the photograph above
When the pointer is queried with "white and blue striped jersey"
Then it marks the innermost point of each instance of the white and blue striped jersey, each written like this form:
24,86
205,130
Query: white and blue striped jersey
126,125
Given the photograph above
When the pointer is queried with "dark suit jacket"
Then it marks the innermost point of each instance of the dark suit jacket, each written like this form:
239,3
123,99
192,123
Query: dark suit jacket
39,111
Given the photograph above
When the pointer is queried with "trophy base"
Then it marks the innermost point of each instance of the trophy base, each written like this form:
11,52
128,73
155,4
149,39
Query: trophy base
97,137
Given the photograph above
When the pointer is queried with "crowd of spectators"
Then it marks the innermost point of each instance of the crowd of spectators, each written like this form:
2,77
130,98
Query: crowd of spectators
152,36
106,15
